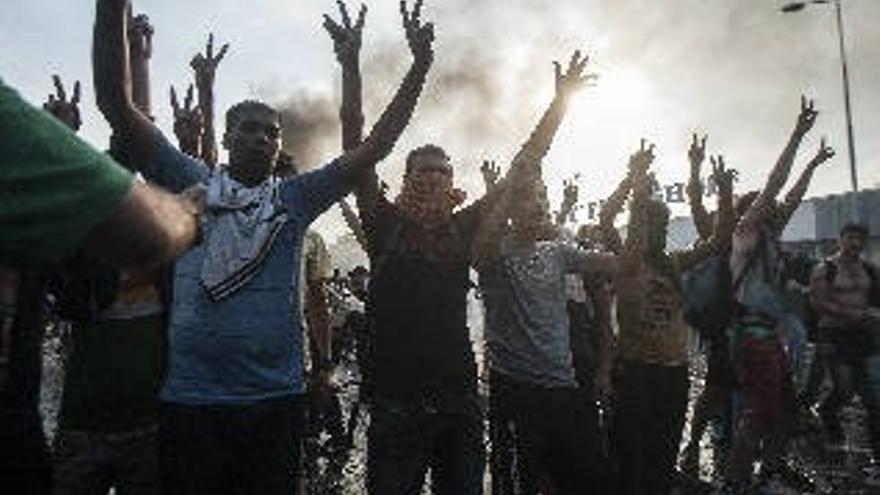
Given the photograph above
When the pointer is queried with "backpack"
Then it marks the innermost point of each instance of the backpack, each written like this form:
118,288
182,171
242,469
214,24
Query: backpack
708,291
708,295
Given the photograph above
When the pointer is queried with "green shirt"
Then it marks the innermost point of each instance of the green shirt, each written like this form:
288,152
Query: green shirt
54,187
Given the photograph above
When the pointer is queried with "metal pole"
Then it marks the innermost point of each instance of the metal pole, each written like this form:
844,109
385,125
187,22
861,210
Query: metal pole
848,107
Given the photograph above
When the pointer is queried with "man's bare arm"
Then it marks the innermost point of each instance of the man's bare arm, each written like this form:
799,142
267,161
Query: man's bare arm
762,210
347,41
600,296
796,194
112,74
140,36
205,67
636,244
723,230
638,165
149,227
702,219
397,114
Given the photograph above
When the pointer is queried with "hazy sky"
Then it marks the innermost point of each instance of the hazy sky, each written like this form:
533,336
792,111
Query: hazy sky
732,68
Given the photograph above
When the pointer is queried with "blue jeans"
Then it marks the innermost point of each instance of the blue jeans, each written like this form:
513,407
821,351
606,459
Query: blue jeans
405,438
87,464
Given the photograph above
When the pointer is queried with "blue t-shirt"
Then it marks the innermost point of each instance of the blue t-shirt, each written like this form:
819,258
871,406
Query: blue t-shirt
247,346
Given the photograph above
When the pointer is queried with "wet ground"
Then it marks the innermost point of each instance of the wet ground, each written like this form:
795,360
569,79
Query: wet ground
836,471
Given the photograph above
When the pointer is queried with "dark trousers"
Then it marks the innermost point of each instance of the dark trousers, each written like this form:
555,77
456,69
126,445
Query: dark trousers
232,449
92,464
855,369
542,436
651,406
25,466
406,438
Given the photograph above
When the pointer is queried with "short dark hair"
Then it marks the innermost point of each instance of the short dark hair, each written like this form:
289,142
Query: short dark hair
854,228
235,112
426,150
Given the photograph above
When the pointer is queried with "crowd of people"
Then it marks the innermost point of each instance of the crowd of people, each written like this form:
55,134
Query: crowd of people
205,321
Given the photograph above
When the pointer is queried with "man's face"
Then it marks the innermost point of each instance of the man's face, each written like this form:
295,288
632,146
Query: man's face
531,214
432,169
852,244
254,142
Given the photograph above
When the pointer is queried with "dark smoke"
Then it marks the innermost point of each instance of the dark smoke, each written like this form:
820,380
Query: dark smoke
311,128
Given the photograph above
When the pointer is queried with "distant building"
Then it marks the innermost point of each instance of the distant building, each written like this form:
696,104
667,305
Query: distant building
813,228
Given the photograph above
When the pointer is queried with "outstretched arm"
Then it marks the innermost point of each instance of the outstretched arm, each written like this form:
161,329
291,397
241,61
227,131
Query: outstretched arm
796,194
638,165
396,116
721,236
696,157
140,35
762,210
636,244
205,67
347,40
113,81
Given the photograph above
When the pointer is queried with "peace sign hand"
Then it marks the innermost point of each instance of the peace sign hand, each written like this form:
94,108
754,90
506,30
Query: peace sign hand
59,106
420,36
205,65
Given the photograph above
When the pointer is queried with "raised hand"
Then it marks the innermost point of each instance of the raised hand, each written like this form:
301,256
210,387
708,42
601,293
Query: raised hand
807,117
570,192
67,111
573,78
205,64
824,154
140,36
491,172
722,176
347,37
641,160
187,123
420,36
697,151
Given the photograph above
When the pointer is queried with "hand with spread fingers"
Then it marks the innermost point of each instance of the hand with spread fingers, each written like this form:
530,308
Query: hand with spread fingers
347,36
205,64
187,123
574,78
67,111
419,35
491,173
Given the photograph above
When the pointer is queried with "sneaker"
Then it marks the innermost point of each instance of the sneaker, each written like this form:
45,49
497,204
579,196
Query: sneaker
871,475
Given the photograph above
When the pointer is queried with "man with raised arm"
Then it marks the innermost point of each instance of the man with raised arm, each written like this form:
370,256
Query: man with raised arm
759,356
422,378
652,384
523,263
233,392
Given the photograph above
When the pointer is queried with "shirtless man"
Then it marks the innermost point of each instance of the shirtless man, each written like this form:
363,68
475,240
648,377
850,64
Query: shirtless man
844,291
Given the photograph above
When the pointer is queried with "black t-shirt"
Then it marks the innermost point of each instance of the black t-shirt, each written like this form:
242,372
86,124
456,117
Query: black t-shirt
418,305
